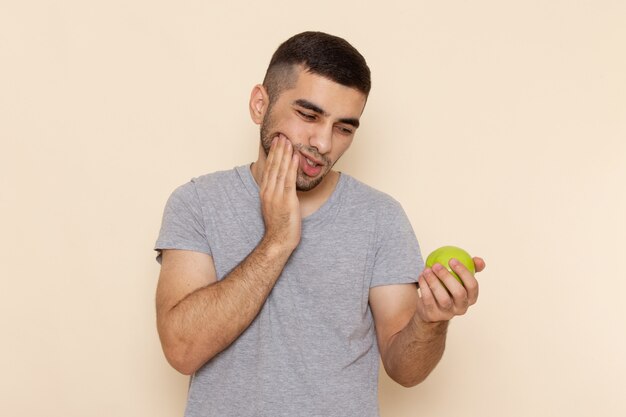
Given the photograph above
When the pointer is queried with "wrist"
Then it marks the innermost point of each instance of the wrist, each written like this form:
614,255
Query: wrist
274,249
430,327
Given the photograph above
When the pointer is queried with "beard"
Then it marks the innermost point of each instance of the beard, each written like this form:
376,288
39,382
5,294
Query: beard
303,181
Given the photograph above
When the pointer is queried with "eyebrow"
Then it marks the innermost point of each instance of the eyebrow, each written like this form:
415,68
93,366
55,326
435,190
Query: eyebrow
317,109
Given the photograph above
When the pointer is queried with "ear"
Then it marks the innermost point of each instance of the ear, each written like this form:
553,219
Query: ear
259,101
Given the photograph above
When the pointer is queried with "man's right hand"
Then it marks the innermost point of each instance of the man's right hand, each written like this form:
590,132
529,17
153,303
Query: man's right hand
198,316
279,201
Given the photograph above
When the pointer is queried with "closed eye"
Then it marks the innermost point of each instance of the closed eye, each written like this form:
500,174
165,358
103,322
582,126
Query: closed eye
306,116
345,130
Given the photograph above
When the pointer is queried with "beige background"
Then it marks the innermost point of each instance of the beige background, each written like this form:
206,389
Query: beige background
499,125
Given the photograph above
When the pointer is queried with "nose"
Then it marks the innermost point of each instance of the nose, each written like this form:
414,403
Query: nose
321,139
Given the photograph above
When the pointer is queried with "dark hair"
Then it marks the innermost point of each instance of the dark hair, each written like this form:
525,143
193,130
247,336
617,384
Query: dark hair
319,53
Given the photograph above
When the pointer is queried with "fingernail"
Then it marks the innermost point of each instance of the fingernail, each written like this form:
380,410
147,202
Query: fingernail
453,262
437,267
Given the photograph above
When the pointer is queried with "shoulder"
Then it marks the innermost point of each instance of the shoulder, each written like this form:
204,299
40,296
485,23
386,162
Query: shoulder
200,187
215,179
375,207
366,196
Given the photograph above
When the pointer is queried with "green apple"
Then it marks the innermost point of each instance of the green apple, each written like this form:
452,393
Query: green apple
445,253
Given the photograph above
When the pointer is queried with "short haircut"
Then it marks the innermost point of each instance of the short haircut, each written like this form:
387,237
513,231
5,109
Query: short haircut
318,53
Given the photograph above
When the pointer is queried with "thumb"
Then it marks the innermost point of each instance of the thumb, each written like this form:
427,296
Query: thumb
479,264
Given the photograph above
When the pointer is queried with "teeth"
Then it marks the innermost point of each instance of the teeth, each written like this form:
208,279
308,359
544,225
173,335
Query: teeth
311,163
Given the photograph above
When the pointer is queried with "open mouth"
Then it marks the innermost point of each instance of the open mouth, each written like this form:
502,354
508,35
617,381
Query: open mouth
309,166
310,163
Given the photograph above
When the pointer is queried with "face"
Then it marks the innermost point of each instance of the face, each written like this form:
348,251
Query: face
320,118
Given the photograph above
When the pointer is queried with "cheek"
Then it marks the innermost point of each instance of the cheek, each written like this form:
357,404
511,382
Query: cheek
297,130
341,145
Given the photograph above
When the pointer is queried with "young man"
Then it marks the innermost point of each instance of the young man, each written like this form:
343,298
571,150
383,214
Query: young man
283,281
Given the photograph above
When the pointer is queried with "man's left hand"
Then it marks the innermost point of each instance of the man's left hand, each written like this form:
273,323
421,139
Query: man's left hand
442,296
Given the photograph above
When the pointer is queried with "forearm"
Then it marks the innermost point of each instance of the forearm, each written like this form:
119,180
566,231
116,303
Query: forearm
211,318
415,351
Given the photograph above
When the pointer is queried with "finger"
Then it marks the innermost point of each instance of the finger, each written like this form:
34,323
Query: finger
470,283
273,167
456,290
292,173
479,264
268,161
426,299
439,291
284,167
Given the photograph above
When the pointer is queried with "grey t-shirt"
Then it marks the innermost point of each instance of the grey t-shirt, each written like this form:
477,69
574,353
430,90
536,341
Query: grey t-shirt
312,349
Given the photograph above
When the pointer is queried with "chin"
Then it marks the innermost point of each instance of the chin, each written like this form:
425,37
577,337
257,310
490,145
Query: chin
304,183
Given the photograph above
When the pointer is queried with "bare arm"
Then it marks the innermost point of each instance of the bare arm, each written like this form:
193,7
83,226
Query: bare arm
411,328
198,316
409,348
206,321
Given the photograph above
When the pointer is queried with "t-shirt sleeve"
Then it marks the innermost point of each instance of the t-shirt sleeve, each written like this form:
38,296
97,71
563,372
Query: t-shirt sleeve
398,259
183,225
